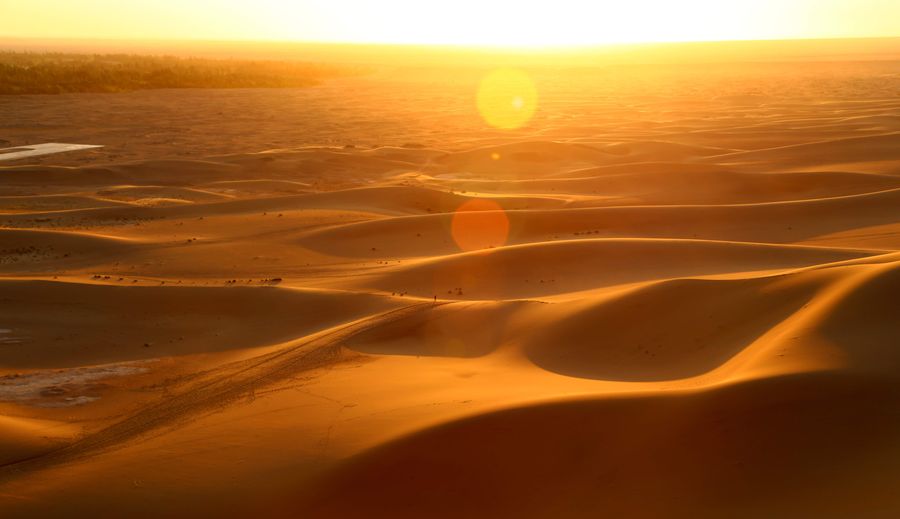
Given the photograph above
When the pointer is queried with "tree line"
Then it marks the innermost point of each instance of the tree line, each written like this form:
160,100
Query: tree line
59,73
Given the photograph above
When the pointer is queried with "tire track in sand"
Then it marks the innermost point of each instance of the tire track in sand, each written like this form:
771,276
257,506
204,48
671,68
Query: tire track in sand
216,389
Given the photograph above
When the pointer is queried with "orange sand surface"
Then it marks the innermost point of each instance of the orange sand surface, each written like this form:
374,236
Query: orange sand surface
675,292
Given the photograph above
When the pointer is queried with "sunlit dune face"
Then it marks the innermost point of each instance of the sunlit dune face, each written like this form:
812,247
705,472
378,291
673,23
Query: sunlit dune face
507,99
479,224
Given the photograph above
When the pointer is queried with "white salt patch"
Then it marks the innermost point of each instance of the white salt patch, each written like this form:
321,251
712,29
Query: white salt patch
35,150
61,388
8,340
453,176
69,401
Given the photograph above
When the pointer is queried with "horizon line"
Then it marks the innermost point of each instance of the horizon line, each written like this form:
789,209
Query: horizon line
443,45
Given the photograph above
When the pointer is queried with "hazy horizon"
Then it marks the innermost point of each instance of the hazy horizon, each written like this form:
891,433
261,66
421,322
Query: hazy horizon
842,49
470,23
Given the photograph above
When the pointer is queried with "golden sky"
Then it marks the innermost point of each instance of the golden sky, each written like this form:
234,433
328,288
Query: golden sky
464,22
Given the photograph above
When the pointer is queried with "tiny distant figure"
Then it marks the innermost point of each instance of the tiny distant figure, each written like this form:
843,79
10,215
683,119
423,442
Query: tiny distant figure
435,299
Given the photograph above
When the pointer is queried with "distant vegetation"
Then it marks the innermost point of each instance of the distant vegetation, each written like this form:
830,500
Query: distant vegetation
55,73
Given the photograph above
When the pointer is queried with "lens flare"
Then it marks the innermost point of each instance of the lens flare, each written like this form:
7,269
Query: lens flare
479,224
507,99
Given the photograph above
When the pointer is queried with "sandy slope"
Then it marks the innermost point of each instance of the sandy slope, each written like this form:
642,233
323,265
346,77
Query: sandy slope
673,294
710,453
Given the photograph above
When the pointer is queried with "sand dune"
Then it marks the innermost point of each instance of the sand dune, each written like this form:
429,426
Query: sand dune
608,337
660,183
139,194
673,293
23,437
24,204
40,251
70,323
781,222
721,451
728,323
841,151
462,329
523,158
535,270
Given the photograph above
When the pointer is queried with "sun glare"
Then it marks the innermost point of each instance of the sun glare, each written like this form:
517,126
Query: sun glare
479,224
523,23
529,23
507,99
533,23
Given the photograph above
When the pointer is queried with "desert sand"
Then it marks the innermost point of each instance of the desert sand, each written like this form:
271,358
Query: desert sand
673,293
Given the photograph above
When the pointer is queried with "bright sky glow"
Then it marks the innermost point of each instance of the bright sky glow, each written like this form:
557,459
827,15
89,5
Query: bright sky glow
463,22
